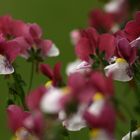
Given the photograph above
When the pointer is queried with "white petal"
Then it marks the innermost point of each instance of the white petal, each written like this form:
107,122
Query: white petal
50,102
77,66
5,66
134,134
54,51
96,107
119,71
75,122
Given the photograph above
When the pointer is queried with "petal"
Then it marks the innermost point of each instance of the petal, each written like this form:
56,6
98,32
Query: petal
78,66
96,108
46,70
5,66
107,44
119,71
54,51
76,121
50,102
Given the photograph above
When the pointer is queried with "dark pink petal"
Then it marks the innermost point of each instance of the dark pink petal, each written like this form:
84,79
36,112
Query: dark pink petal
6,25
57,73
107,44
124,50
16,116
33,99
45,46
46,70
83,49
12,50
35,30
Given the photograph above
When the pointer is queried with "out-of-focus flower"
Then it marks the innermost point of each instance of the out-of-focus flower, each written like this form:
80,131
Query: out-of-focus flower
27,36
91,43
94,117
52,101
53,74
75,121
25,125
126,56
134,134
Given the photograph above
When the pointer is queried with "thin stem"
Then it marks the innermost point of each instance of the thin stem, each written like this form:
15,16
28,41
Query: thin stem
31,76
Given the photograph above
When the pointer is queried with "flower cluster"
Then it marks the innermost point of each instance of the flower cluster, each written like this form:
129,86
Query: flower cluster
107,51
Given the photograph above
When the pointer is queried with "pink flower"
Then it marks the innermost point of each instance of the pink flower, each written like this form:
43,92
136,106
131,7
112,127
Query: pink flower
20,121
97,114
27,36
125,57
90,41
53,74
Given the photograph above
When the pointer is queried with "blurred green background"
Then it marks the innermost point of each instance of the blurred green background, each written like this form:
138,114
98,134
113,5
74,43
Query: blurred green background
57,18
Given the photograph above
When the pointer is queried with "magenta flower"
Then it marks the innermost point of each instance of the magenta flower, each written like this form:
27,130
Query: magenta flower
53,74
125,57
31,124
97,114
27,36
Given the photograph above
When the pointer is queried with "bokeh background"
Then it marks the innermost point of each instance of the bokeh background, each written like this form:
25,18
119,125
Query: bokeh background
57,18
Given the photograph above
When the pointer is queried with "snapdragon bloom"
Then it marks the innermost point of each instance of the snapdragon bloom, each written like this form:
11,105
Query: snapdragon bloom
27,36
90,41
24,124
125,57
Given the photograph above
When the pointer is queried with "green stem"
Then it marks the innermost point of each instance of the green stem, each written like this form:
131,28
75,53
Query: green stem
31,76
